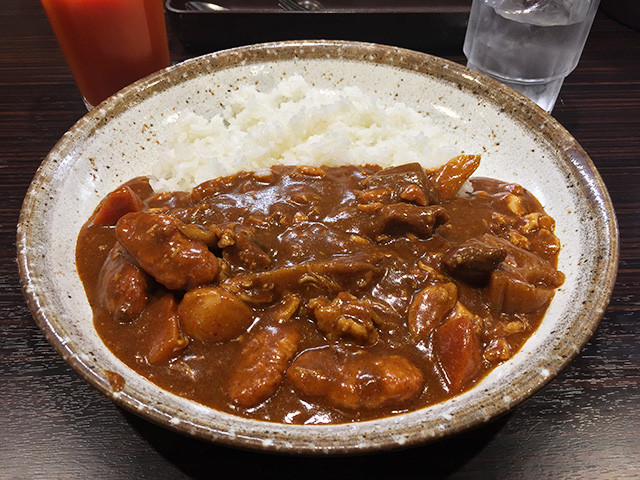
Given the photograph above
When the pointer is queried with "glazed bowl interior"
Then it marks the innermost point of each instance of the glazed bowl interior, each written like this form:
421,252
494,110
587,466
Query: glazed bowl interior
123,138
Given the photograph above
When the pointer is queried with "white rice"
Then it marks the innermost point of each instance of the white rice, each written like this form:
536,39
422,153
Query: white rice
297,123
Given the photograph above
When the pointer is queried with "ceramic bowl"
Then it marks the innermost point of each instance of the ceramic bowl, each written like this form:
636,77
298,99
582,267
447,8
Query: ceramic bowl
519,142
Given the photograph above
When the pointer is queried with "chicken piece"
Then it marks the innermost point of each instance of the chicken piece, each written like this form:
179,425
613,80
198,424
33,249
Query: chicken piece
545,243
456,346
473,261
123,288
345,317
450,178
407,182
283,311
355,379
157,244
121,201
263,363
498,350
429,307
211,314
158,331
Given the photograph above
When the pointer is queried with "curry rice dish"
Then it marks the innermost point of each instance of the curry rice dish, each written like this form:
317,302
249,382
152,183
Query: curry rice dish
315,295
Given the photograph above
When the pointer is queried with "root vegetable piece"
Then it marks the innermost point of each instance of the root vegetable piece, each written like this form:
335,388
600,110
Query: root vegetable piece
510,292
523,283
117,204
156,242
211,314
456,345
160,337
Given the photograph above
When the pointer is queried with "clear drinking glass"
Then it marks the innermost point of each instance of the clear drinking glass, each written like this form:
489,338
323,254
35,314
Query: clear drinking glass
530,45
109,44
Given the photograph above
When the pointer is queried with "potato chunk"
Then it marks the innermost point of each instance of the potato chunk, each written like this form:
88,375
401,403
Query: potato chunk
211,314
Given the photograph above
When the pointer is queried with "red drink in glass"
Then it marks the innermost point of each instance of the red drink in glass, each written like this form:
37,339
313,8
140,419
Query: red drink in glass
109,44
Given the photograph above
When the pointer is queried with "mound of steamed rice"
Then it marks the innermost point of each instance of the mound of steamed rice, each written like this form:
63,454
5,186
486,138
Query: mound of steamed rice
297,123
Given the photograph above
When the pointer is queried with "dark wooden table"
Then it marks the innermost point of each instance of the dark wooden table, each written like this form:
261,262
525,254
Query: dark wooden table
585,424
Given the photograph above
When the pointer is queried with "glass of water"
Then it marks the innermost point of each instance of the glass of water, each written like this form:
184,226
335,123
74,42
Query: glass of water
530,45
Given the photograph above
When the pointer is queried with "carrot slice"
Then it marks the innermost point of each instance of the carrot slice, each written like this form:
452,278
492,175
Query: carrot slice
159,334
118,203
457,348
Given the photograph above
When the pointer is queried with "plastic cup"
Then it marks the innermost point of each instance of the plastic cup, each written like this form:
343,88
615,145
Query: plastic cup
109,44
530,45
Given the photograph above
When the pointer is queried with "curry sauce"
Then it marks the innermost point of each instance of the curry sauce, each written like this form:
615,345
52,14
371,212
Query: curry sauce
320,295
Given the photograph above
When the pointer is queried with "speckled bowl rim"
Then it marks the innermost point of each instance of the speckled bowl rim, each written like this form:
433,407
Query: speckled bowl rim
331,439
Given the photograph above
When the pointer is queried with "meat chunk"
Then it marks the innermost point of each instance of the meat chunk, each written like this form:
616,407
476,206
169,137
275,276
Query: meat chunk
407,182
211,314
308,241
121,201
429,307
240,248
497,350
158,331
456,345
123,288
345,317
161,249
200,234
402,218
473,261
317,277
355,379
282,311
449,178
263,363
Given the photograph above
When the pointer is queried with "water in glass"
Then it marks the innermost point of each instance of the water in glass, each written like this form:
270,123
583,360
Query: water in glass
531,45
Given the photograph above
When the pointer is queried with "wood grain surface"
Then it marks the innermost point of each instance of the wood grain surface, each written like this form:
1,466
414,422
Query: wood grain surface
584,425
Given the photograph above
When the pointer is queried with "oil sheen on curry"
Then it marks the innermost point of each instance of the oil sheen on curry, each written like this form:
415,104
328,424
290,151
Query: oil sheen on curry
314,295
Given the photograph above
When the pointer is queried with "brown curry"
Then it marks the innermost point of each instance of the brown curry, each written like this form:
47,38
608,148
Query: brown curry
320,295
